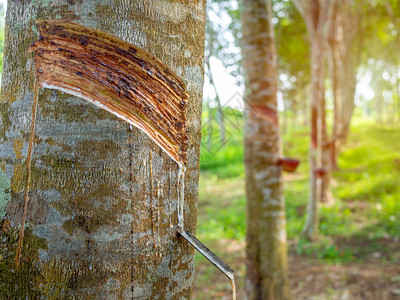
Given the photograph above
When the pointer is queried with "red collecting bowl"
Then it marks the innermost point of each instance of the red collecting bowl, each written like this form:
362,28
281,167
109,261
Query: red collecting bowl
289,164
320,172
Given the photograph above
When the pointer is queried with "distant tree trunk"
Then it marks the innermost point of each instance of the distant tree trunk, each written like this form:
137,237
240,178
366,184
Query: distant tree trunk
267,276
379,107
102,214
305,106
344,58
316,14
317,133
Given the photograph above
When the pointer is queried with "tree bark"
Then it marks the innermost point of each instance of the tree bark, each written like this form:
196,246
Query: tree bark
317,16
315,153
344,58
267,276
102,213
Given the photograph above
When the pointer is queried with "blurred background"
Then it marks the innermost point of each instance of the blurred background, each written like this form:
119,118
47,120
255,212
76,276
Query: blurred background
357,253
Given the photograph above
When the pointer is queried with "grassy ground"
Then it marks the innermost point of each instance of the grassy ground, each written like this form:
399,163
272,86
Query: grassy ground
360,231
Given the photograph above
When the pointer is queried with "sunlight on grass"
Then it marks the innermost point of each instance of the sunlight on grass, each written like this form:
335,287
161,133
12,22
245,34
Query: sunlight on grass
366,190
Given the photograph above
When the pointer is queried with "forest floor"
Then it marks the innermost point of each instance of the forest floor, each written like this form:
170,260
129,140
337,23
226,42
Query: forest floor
355,268
310,279
357,255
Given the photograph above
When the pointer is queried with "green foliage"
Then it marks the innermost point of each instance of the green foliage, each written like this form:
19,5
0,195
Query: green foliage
380,22
324,250
365,212
296,195
370,171
365,195
292,44
222,159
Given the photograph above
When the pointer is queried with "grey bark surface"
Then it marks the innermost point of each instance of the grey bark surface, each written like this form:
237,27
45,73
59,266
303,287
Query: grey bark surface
102,214
266,274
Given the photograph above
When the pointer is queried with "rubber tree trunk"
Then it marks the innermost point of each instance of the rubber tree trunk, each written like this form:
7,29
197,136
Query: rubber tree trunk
317,16
315,153
266,276
345,54
102,213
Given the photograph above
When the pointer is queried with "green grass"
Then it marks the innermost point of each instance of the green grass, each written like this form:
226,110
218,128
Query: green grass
222,158
366,211
221,208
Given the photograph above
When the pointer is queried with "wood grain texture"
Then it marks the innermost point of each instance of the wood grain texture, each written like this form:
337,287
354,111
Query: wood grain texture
116,76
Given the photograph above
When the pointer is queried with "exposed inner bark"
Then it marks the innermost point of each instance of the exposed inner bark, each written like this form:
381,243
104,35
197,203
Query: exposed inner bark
267,113
116,76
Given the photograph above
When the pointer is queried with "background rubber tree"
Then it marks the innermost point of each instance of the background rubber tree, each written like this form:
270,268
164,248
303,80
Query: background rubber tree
345,48
317,17
266,276
102,214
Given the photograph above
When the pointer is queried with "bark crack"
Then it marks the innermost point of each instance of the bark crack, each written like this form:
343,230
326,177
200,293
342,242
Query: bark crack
28,173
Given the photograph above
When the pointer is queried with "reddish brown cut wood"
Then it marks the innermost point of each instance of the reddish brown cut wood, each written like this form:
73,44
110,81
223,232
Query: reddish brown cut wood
268,113
116,76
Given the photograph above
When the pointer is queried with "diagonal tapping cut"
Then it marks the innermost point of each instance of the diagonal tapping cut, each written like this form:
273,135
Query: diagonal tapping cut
116,76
